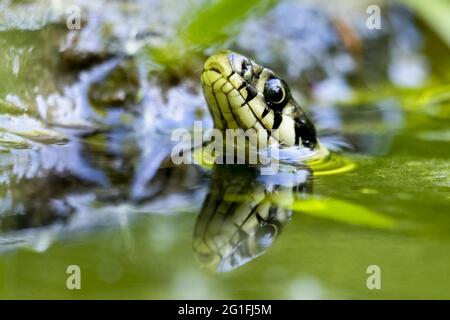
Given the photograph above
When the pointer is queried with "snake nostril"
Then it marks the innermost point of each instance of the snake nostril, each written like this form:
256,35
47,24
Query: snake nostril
245,66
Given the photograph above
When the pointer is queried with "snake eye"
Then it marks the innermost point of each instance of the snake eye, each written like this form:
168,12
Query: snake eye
265,235
275,91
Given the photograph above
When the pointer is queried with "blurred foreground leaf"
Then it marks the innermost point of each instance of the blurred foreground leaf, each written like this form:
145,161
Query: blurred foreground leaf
436,14
342,211
215,22
432,100
210,24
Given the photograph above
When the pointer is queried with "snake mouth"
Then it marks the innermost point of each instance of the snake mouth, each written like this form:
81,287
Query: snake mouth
227,92
236,91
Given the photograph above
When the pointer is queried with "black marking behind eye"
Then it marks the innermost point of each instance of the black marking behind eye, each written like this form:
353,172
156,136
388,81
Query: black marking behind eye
297,134
265,112
277,120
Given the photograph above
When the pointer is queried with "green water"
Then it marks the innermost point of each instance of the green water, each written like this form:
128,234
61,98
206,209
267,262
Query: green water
392,210
152,256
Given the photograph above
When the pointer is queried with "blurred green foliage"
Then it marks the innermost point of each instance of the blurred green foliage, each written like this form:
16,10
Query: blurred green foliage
344,212
208,25
436,14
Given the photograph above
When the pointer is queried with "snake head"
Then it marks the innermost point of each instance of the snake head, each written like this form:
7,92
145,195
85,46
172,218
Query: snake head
242,94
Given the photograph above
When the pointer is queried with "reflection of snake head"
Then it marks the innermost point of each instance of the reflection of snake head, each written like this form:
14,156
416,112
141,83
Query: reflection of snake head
241,216
242,94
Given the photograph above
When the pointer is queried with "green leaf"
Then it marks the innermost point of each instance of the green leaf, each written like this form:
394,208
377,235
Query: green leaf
215,22
211,23
436,14
342,211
